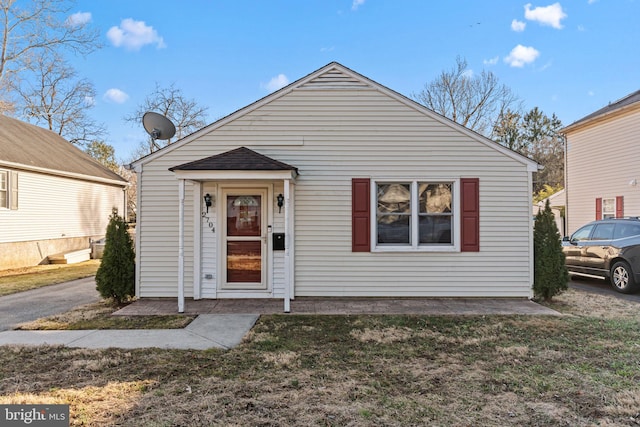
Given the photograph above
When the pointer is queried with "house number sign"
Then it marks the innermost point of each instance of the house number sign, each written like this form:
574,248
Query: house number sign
205,215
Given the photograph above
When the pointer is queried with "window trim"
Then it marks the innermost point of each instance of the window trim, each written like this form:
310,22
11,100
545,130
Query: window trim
11,189
414,245
6,190
614,205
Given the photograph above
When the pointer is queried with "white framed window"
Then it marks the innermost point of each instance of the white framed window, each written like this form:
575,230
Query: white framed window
609,208
8,190
415,215
4,189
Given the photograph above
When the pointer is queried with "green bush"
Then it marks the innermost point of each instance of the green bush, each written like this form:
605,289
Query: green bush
115,277
550,273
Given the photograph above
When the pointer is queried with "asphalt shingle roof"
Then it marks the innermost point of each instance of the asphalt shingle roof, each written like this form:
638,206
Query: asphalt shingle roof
32,146
623,102
240,159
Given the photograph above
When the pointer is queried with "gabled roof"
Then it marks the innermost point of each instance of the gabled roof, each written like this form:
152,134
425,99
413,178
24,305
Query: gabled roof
240,159
29,147
327,75
623,103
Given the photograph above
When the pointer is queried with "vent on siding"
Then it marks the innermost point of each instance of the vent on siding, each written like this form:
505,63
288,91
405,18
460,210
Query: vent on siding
334,80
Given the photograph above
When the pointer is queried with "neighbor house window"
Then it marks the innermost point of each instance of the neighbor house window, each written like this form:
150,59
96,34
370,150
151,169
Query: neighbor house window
4,191
608,208
8,190
414,214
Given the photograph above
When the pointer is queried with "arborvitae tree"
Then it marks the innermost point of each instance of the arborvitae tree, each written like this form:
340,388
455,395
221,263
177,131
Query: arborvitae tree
116,275
550,273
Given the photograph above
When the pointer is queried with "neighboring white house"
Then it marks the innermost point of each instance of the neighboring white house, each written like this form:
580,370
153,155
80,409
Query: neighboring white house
54,197
556,203
334,186
602,158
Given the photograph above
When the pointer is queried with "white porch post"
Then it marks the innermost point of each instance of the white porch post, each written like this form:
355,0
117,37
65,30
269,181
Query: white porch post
287,239
181,246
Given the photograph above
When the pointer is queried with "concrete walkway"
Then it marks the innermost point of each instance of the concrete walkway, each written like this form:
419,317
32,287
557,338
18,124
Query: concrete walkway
207,331
342,306
219,323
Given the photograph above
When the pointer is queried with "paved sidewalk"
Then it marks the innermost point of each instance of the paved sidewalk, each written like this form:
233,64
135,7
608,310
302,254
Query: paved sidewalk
223,323
342,306
206,331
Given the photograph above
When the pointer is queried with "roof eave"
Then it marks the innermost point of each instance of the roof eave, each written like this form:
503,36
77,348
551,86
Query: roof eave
20,166
221,175
600,117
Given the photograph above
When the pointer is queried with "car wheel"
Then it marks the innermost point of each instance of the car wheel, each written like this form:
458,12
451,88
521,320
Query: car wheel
622,278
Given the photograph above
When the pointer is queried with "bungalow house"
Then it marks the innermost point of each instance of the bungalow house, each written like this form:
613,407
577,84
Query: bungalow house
54,197
334,186
602,157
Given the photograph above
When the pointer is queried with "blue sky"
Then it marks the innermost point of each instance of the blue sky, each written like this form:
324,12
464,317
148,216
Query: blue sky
569,58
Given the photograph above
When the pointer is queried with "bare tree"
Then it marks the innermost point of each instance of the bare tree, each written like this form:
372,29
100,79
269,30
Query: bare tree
472,100
186,114
55,98
29,29
536,135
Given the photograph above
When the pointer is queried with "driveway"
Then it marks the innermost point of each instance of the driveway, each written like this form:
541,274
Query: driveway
600,287
46,301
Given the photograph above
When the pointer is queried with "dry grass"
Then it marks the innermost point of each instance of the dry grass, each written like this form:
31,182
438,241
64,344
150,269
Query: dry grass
23,279
577,370
98,316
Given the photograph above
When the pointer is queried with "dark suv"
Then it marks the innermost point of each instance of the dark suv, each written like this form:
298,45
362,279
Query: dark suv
608,248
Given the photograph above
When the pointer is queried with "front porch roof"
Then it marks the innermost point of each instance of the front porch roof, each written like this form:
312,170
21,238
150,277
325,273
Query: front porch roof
243,162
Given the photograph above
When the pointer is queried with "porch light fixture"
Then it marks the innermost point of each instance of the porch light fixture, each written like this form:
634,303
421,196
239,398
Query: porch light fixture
207,201
280,199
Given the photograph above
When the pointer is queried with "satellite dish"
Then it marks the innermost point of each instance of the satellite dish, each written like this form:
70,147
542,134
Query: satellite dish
158,126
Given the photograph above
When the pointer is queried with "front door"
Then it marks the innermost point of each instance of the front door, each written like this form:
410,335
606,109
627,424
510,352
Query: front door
244,243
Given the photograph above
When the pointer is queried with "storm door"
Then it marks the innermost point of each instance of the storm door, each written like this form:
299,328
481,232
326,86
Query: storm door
244,239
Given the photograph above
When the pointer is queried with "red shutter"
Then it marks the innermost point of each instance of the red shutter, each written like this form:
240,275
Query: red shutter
470,214
599,208
360,215
620,207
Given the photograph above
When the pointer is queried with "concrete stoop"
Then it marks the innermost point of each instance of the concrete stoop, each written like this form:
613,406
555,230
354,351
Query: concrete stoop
70,257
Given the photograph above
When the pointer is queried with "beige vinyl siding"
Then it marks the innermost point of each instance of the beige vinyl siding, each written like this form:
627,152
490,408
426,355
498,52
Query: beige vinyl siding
53,207
332,136
601,161
209,239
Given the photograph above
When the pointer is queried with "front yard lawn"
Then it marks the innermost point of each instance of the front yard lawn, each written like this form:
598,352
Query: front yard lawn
581,369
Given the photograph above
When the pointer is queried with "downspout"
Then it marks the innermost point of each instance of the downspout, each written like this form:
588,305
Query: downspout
566,188
531,235
287,259
181,246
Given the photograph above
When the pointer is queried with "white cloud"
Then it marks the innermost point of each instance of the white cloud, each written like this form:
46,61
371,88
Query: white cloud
78,19
327,49
276,83
521,55
518,26
133,35
592,1
548,15
116,95
89,101
492,61
356,4
591,93
467,74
